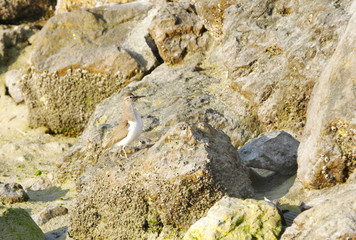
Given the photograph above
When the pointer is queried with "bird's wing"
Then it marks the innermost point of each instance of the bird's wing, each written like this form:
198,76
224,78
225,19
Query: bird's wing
119,133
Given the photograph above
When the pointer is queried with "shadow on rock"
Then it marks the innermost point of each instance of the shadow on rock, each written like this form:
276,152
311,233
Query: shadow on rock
49,194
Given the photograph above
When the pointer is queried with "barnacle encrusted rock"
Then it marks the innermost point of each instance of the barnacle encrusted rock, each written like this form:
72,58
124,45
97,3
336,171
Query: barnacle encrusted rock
162,191
327,152
81,58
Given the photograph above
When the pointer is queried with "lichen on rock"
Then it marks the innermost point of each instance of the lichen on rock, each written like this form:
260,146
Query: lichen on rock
232,218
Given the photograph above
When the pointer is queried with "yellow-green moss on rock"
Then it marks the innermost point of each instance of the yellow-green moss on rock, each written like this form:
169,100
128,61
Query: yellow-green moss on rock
17,224
233,218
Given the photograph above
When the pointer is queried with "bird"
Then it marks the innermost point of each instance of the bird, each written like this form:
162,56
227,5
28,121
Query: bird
129,127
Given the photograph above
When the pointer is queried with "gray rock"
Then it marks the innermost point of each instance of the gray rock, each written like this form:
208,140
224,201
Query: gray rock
232,218
16,224
331,216
327,153
275,151
177,30
12,192
48,213
161,191
173,94
11,79
63,87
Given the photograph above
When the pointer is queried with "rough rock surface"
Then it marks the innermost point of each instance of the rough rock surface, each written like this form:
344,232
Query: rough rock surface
274,51
332,215
64,6
327,153
48,213
275,151
12,192
233,218
79,59
16,224
212,12
11,79
177,30
195,97
15,11
12,40
161,191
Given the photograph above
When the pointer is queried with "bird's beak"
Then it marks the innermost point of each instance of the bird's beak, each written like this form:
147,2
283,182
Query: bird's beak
137,97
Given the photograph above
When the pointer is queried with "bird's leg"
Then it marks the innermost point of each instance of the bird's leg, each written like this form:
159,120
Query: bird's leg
123,147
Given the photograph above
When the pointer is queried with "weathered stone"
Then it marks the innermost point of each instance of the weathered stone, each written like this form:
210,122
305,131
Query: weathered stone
173,94
11,79
15,11
275,51
64,86
275,151
177,30
212,13
327,153
64,6
13,39
161,191
48,213
17,224
331,216
232,218
12,192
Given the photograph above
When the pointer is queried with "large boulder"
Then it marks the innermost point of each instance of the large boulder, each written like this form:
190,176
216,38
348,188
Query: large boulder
275,151
17,224
162,190
172,95
82,57
177,30
274,51
327,152
232,218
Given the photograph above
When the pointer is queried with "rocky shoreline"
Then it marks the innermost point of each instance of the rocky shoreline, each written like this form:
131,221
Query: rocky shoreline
249,120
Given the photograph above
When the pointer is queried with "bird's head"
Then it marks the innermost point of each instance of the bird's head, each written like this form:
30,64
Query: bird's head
129,97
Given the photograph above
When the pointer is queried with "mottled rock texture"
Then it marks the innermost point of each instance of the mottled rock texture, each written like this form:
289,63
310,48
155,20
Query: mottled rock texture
327,153
172,95
12,192
177,30
162,191
274,51
15,11
13,40
16,224
48,213
79,59
332,216
275,151
233,218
